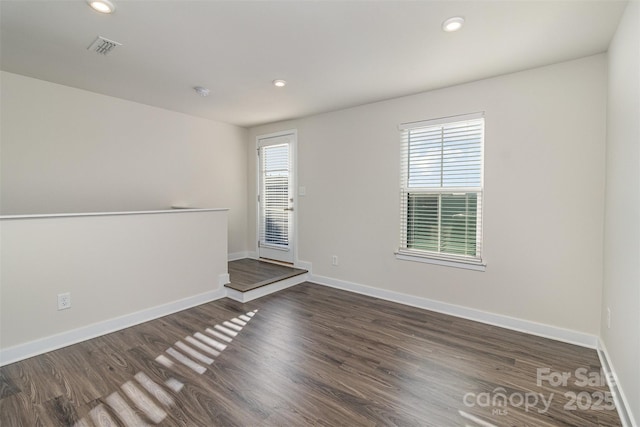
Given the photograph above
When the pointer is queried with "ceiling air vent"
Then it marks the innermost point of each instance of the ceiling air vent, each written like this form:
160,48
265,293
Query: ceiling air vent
103,46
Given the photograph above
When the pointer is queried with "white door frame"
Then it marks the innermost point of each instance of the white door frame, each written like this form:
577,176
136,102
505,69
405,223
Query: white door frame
294,182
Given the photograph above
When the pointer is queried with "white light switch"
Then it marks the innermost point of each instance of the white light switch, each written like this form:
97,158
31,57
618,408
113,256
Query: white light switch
302,191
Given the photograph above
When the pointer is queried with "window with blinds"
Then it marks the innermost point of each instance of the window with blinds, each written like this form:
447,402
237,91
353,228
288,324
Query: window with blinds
274,224
441,188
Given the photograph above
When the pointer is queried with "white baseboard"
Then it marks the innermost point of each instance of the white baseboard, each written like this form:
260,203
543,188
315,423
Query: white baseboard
520,325
234,256
619,398
64,339
305,265
266,290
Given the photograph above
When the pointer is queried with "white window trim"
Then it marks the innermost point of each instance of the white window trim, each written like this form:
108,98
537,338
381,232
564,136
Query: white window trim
441,120
294,177
430,259
405,254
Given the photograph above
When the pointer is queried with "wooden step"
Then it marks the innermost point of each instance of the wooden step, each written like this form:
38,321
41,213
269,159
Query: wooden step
251,278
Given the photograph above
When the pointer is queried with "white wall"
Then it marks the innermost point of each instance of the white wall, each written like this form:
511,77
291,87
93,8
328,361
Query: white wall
119,269
622,232
545,150
69,150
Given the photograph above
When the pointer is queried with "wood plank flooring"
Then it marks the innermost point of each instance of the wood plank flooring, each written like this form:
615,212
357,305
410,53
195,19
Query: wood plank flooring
249,274
308,355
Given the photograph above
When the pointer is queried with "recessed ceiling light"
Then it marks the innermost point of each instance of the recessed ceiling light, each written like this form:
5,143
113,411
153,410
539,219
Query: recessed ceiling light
279,83
102,6
453,24
202,91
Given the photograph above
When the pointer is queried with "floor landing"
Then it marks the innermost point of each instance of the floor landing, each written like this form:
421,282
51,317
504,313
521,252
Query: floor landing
249,274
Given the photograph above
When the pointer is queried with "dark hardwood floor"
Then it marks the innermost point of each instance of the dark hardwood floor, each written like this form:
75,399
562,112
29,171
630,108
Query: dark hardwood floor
248,274
308,355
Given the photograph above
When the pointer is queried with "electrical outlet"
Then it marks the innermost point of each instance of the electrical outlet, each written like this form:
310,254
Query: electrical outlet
334,260
608,318
64,301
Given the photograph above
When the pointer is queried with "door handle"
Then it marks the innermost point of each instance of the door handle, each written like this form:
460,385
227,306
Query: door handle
288,209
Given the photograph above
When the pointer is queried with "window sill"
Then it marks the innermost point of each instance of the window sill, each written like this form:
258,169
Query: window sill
448,263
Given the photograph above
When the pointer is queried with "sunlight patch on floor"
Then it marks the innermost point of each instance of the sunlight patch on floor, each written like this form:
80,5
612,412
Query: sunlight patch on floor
147,395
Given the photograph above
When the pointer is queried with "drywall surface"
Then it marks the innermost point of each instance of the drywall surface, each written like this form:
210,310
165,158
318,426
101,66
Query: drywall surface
112,266
69,150
621,293
543,200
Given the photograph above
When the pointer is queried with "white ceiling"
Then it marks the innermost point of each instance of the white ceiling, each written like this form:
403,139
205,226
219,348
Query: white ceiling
333,54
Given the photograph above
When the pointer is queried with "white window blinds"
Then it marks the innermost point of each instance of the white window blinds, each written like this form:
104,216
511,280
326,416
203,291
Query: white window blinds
274,224
441,188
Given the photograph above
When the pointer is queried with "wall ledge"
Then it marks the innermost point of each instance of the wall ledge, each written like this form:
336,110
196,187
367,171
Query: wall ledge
74,214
